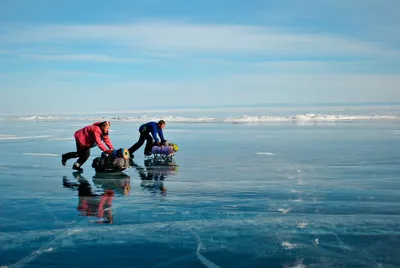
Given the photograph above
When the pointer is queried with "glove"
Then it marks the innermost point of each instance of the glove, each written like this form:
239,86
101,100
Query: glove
165,143
109,151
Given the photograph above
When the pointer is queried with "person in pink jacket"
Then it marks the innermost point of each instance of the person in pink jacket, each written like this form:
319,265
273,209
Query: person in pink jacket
86,138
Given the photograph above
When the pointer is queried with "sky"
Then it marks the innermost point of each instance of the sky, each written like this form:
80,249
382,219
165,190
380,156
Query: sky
128,55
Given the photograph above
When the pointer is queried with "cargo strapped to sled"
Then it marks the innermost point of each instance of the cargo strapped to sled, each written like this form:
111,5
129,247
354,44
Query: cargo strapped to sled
116,161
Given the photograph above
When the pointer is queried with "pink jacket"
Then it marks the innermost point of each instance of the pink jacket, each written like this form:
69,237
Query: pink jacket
91,135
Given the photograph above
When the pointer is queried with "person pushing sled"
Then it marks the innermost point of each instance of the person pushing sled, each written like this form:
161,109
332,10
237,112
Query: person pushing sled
160,146
87,138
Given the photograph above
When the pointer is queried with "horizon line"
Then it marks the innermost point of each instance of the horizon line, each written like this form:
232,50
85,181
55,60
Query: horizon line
215,108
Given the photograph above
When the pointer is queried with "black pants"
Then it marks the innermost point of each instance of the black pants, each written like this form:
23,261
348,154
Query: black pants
82,152
144,136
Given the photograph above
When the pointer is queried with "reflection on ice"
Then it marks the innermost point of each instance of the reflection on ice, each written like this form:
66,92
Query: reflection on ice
154,172
119,182
92,203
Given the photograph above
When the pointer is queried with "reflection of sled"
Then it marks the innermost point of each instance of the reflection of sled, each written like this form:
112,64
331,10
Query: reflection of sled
154,172
110,175
113,181
166,151
161,166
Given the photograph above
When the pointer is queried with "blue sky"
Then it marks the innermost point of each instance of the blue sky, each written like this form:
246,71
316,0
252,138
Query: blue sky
90,56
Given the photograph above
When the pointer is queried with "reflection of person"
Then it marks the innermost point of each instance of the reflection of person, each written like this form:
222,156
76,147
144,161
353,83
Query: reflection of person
91,203
86,138
148,132
121,182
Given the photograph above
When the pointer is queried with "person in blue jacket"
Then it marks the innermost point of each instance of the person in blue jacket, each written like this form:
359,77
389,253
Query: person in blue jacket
148,132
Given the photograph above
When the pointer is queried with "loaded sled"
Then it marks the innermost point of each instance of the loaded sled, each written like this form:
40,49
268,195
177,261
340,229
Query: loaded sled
117,161
168,150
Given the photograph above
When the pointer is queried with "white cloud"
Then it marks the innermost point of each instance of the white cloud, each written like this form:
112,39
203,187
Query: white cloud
313,67
175,37
80,57
71,57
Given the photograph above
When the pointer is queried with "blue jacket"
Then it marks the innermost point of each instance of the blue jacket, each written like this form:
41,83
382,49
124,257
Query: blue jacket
153,129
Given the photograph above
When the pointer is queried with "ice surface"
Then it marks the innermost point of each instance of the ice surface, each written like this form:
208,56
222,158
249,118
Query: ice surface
236,195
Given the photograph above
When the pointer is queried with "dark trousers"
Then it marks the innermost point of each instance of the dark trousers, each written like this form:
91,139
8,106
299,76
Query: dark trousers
144,136
82,152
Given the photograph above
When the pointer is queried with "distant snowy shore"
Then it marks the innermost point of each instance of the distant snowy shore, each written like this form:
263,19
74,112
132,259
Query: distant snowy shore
309,117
